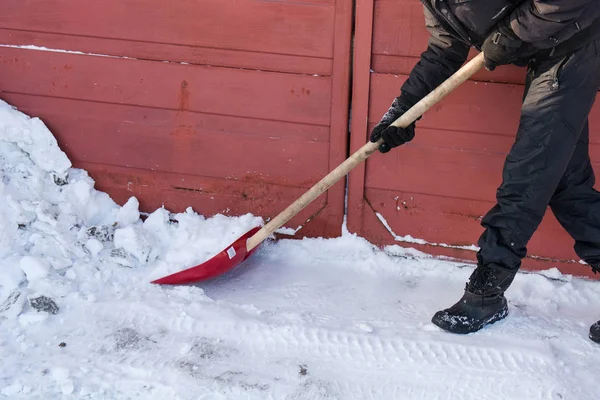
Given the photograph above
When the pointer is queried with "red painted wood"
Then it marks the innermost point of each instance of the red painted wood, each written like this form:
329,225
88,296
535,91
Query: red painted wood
300,28
400,36
456,221
360,110
399,28
374,229
473,107
208,196
340,104
172,52
165,117
402,65
223,91
170,141
479,117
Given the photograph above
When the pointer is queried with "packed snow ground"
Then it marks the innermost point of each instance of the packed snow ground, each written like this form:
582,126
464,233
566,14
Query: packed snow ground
301,319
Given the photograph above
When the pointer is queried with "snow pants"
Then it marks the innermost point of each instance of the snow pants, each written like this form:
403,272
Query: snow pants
549,163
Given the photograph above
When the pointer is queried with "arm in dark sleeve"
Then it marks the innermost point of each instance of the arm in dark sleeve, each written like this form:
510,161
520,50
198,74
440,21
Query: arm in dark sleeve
443,57
537,20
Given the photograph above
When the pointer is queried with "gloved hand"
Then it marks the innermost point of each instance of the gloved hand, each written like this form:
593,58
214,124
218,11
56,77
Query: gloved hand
393,136
501,47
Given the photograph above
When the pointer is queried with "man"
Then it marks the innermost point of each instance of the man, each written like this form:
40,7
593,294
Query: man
549,164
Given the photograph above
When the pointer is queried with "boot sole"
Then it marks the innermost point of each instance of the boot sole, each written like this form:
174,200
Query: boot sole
440,320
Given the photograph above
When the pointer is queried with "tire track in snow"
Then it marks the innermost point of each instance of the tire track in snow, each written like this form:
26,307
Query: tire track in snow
398,365
367,350
356,384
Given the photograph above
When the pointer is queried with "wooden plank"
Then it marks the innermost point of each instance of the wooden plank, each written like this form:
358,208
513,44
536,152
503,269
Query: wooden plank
340,106
403,65
282,27
399,28
223,91
461,145
171,52
375,230
491,108
444,171
169,141
459,170
457,222
360,111
167,120
207,196
400,36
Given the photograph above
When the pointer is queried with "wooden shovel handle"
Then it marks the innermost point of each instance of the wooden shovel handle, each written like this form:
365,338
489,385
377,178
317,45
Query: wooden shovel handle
364,152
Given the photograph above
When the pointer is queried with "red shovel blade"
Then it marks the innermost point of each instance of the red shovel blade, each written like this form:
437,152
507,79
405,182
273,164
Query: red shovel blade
232,256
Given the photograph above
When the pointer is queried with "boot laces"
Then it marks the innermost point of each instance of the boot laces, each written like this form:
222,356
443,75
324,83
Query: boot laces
484,280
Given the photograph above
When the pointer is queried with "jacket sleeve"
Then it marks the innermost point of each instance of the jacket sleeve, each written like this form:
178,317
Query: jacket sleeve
443,57
538,20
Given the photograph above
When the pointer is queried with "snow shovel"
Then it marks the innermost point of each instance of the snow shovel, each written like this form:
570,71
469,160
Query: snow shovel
243,247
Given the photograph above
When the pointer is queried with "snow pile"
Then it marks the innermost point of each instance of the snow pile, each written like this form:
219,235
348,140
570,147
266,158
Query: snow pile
309,319
56,220
32,136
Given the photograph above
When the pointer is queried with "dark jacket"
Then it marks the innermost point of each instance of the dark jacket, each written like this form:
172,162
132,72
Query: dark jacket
456,25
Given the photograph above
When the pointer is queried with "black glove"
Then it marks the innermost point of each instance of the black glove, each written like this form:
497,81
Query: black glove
501,47
393,136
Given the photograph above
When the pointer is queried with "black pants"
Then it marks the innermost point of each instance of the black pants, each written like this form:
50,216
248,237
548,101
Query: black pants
549,163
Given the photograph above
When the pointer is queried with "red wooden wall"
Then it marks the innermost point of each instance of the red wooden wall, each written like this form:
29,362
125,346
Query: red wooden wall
438,187
229,106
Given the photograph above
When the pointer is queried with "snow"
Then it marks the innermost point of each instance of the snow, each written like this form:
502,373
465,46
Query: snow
61,376
301,319
76,52
12,390
30,135
32,318
137,242
51,50
34,268
286,231
129,213
94,246
410,239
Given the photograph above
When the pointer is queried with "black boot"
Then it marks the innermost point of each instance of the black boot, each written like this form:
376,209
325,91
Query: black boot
482,303
595,332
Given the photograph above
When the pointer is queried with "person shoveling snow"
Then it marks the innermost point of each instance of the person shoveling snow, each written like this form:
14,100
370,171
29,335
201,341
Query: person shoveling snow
304,319
549,163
